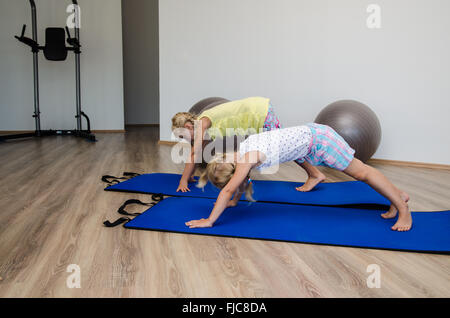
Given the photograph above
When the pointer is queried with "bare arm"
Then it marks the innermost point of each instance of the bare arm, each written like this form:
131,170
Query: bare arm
196,155
239,177
238,194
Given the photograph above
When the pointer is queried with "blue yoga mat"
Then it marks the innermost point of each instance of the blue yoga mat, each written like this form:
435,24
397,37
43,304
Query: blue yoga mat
327,194
302,224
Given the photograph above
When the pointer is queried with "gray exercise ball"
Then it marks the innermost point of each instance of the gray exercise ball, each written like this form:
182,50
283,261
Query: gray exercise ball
206,104
356,123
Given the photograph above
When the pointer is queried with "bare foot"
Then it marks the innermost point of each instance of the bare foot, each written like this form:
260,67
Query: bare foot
311,183
404,221
392,213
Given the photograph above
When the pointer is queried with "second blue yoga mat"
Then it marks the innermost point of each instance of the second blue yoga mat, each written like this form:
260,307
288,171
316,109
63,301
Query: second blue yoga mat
303,224
326,194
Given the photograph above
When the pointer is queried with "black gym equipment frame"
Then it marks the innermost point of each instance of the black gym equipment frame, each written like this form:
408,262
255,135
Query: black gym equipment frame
75,46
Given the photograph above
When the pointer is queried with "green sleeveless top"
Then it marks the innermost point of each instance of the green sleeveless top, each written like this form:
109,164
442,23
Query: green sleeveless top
240,117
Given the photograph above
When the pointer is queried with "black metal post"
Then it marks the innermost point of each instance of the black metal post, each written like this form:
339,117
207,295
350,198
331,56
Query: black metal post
37,111
77,67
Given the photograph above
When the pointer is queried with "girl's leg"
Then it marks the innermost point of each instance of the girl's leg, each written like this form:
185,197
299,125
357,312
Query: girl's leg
314,177
381,184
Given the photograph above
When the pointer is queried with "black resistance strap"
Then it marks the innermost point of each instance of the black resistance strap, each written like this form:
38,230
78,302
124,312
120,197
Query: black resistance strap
110,180
122,211
126,176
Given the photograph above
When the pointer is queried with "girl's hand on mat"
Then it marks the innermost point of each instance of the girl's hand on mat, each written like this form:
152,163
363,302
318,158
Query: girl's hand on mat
199,223
183,187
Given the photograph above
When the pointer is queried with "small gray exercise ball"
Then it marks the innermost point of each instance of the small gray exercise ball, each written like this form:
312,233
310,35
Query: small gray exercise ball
206,104
356,123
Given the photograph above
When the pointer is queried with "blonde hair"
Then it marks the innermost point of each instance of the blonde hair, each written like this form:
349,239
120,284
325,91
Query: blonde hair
180,119
219,172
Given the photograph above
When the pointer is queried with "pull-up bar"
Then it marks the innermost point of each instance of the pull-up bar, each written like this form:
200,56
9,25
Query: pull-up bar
55,49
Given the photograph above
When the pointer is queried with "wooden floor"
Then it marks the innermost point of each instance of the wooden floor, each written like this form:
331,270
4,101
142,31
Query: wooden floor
53,205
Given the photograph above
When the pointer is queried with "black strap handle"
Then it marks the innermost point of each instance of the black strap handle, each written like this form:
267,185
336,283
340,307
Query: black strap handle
155,197
117,222
131,174
158,197
115,180
123,212
132,201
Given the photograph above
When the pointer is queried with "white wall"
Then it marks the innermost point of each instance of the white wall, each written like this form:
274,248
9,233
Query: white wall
141,61
305,54
101,67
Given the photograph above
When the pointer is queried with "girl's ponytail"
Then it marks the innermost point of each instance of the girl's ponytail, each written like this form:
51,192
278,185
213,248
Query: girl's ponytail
203,180
249,192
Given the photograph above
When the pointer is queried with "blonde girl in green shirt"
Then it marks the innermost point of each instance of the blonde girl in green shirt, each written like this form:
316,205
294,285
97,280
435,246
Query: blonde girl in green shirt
240,117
